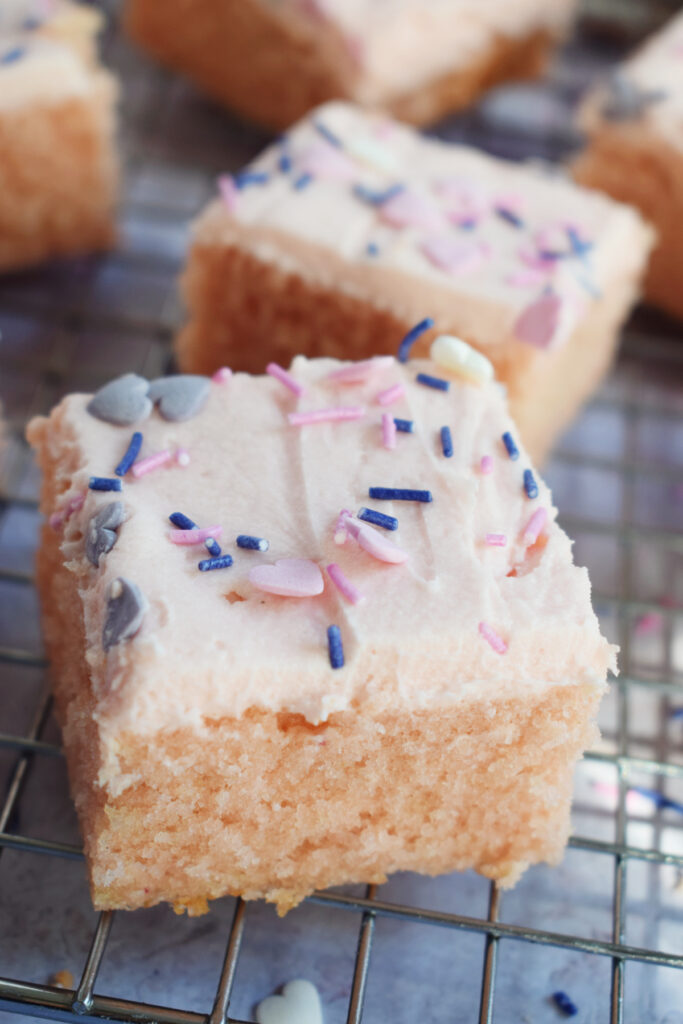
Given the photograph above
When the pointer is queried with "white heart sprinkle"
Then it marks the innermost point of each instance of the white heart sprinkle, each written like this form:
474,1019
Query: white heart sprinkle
298,1004
456,355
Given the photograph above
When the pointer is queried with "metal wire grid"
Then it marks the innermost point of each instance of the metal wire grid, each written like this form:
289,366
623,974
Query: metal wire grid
84,300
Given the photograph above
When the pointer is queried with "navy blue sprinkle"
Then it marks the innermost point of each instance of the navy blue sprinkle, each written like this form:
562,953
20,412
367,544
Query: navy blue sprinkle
579,246
399,494
676,713
132,452
103,483
530,485
510,217
335,647
303,181
184,522
327,134
12,55
369,195
372,249
659,799
405,426
467,225
246,178
212,546
433,382
411,337
564,1003
207,564
252,543
510,446
285,162
368,515
447,442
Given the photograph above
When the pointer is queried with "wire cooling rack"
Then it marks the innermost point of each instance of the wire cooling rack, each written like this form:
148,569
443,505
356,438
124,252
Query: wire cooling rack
607,926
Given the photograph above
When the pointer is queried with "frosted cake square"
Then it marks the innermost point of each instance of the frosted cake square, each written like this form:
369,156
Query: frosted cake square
58,173
310,628
339,237
634,123
273,60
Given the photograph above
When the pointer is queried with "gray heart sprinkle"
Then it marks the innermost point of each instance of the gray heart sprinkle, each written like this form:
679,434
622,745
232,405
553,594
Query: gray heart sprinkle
101,534
626,101
180,397
126,607
122,401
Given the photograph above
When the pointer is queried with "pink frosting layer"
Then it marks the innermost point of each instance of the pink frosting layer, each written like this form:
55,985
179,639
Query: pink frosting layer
212,644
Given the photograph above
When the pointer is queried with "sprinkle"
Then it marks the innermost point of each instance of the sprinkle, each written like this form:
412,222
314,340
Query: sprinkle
372,249
530,485
285,378
222,376
534,527
368,515
580,246
181,396
184,522
103,483
537,324
486,465
404,426
126,607
250,543
246,178
151,463
651,622
335,647
284,162
340,412
195,535
391,395
446,442
182,457
375,543
399,494
433,382
344,585
132,452
411,337
101,534
510,216
358,373
496,540
408,208
340,533
492,638
228,190
564,1004
388,431
375,198
11,56
454,256
328,134
456,355
222,562
676,713
303,181
371,152
660,801
289,577
510,446
122,401
324,161
58,519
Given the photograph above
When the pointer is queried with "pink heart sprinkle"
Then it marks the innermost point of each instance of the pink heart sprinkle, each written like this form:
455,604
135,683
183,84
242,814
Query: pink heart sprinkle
408,209
289,577
323,160
537,324
453,255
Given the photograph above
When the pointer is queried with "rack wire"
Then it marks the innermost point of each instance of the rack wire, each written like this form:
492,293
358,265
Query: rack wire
618,478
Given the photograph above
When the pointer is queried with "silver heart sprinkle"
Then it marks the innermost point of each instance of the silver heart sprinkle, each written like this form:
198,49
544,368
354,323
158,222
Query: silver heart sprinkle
122,401
126,607
101,534
180,397
626,101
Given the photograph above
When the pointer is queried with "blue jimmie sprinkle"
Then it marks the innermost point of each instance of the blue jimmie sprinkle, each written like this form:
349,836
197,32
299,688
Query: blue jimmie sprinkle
252,543
411,337
370,195
530,485
399,494
303,181
510,217
103,483
131,455
433,382
212,546
184,522
372,249
467,225
327,134
447,442
12,55
676,713
564,1004
285,162
245,178
579,247
405,426
368,515
207,564
335,647
510,446
659,799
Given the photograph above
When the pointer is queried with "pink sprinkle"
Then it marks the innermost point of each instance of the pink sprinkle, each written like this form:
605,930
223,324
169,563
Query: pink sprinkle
492,638
486,464
222,376
496,540
285,378
182,457
289,577
326,161
454,256
388,431
408,209
152,462
532,258
466,202
358,373
537,324
391,395
341,534
197,536
58,519
229,191
339,412
649,623
343,585
527,278
372,541
533,528
512,201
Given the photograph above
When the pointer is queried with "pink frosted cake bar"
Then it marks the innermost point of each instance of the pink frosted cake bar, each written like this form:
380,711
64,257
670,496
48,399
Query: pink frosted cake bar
634,125
341,235
310,628
273,60
58,171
